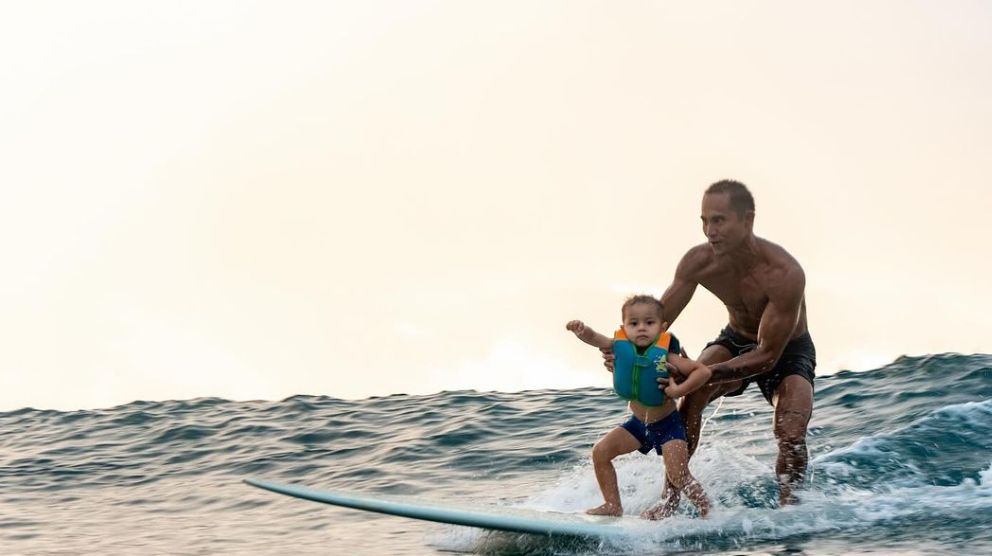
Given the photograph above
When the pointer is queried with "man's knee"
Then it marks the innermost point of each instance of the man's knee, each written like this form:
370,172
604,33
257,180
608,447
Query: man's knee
793,409
715,354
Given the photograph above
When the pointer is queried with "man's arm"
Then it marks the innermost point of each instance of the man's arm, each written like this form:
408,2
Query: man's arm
683,285
785,299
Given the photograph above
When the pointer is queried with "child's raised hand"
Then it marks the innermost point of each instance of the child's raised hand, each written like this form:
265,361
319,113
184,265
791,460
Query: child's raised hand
576,326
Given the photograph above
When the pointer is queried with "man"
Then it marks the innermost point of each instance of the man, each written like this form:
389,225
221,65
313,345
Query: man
766,340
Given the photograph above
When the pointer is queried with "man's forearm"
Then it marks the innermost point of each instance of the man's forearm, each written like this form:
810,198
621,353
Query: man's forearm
745,365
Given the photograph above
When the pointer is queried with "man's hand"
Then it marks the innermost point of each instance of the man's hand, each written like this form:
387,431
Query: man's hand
608,358
675,376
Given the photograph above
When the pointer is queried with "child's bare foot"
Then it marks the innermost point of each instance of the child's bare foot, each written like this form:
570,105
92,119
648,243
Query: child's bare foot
667,508
614,510
704,509
663,510
695,493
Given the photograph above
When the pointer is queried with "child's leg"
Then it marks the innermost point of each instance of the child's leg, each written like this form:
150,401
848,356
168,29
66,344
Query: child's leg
615,443
676,455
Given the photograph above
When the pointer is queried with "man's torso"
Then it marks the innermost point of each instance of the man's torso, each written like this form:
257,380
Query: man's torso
744,290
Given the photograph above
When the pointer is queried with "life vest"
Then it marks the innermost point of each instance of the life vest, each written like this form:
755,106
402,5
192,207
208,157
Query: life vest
635,377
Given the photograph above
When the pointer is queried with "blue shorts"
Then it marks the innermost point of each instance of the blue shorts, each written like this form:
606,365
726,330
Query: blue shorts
656,434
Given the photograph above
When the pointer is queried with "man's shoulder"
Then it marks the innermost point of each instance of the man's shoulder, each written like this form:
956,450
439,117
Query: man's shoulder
778,258
782,268
696,259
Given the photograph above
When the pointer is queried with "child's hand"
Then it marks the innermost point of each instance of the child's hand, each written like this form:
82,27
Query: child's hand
674,391
576,326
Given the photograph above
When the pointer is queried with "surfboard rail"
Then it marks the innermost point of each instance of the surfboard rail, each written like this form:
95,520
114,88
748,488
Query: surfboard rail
554,524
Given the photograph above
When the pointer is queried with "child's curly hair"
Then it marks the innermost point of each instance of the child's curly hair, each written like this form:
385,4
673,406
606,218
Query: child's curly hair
646,299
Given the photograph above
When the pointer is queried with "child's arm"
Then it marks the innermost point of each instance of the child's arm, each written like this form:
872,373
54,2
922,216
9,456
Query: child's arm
696,374
588,335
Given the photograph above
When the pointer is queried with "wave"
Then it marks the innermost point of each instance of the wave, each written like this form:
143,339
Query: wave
901,454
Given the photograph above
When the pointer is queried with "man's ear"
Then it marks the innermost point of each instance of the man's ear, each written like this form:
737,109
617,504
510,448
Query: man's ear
749,219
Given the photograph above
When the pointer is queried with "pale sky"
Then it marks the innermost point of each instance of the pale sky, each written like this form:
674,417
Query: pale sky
252,200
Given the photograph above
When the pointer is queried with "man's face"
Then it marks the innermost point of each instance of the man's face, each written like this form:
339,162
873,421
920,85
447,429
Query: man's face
724,228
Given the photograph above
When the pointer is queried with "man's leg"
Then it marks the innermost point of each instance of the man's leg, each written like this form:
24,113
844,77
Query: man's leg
691,407
793,408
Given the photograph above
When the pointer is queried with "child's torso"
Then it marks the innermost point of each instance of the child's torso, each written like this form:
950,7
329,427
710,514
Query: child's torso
651,414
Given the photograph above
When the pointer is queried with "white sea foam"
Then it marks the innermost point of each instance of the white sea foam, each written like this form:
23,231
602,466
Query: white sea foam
986,477
972,413
723,471
642,477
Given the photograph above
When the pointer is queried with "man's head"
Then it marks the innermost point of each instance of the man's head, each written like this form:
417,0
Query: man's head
642,319
740,198
728,215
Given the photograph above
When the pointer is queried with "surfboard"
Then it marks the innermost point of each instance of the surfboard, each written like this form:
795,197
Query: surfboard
515,520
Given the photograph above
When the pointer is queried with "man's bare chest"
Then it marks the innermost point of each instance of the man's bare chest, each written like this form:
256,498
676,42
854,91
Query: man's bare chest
743,294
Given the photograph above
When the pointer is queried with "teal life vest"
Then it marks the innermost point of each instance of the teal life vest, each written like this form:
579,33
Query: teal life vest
635,376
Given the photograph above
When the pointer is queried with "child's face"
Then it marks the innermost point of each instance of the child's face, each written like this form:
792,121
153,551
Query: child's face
642,324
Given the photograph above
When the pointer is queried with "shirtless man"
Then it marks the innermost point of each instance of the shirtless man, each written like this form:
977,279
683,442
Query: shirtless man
766,340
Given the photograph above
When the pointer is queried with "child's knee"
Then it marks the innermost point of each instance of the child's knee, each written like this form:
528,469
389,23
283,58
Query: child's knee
601,453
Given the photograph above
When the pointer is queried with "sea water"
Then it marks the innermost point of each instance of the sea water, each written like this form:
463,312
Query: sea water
901,463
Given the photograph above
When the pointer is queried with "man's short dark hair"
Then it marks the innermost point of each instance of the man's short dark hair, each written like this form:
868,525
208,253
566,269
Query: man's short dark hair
740,198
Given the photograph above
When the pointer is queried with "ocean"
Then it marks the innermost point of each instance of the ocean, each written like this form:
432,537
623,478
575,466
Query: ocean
901,463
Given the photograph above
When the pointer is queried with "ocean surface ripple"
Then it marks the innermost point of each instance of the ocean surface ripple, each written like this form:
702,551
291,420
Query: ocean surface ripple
901,463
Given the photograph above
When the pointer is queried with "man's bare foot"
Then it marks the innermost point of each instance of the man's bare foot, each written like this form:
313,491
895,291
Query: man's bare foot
786,498
614,510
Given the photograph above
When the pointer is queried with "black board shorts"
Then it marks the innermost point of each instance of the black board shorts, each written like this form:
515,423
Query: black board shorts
798,358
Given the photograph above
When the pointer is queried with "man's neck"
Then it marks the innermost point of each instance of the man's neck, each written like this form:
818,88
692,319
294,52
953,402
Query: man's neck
747,255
